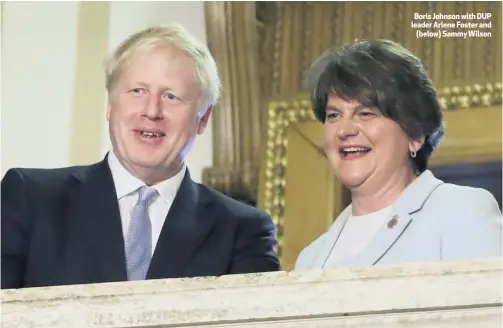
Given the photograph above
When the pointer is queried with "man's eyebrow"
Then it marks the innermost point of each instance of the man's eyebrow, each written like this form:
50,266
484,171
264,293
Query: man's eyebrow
143,84
147,85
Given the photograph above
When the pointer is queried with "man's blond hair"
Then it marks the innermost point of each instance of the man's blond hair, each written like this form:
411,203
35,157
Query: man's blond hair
156,36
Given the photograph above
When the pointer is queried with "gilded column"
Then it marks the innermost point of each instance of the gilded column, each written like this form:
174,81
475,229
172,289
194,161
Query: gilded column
232,37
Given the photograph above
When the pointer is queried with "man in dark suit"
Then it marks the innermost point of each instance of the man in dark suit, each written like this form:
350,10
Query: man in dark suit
137,214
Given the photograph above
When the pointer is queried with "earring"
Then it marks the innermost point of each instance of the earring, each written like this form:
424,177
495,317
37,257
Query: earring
413,154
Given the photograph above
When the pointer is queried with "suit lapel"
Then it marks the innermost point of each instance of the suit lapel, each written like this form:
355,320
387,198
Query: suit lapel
411,201
95,209
386,236
186,226
331,238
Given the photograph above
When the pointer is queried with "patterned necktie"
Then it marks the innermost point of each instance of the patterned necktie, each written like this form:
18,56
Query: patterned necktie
139,236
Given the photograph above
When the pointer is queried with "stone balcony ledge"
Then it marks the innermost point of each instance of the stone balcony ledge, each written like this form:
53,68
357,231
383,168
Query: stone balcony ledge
441,294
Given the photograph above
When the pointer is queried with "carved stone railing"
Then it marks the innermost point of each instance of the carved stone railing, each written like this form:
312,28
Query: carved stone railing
440,295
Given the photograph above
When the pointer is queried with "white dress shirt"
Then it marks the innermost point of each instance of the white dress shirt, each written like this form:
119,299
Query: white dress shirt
126,186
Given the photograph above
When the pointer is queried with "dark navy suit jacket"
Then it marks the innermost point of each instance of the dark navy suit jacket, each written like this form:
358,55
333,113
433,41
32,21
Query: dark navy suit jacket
62,226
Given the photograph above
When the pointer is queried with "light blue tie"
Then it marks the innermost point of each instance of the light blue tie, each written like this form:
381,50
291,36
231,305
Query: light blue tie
139,236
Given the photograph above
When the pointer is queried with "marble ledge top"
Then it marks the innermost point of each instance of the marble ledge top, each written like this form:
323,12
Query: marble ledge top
250,280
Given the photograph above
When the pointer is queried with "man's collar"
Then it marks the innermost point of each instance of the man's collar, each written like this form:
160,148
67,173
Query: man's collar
126,183
168,188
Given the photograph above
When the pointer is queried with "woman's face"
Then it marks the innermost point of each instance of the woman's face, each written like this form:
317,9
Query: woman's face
363,146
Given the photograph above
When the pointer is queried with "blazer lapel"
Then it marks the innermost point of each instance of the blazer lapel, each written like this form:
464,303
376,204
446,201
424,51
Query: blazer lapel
95,209
331,238
411,201
382,241
186,226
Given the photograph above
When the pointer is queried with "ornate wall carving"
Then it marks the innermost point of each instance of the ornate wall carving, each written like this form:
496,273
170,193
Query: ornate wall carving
264,48
303,30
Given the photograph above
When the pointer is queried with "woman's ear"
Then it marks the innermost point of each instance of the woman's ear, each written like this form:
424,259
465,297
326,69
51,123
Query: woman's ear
416,144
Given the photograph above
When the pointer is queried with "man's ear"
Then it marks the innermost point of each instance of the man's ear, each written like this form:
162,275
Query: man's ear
203,120
416,144
109,105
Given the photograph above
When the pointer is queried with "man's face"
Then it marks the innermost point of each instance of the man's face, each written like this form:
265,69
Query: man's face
153,113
